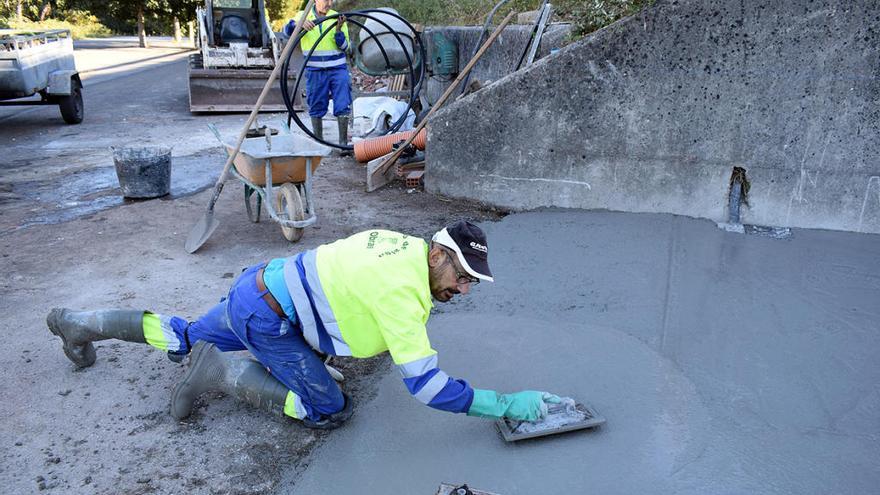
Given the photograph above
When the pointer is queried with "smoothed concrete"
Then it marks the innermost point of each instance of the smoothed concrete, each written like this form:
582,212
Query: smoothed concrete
652,113
724,363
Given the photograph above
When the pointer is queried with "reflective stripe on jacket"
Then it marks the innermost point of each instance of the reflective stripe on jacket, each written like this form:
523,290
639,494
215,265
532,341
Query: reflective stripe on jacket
368,294
327,53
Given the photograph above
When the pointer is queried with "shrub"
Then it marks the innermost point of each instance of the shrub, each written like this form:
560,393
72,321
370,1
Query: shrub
585,15
81,25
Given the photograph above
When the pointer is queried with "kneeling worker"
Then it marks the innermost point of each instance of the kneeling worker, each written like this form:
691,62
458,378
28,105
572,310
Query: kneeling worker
359,296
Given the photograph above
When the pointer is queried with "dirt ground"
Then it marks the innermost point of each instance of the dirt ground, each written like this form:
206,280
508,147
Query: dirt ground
67,239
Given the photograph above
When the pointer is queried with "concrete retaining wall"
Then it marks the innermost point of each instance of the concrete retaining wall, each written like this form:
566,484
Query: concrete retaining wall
652,113
499,60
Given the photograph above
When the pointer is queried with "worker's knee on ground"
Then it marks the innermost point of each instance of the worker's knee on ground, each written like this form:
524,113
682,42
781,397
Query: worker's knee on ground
333,401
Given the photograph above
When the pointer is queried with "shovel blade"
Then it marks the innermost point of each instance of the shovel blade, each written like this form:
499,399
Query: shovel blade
375,180
201,231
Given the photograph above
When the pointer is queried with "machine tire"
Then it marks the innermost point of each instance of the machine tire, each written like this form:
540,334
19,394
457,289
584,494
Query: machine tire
71,105
290,202
195,61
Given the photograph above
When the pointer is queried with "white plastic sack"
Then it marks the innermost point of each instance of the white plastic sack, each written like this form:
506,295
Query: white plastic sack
382,112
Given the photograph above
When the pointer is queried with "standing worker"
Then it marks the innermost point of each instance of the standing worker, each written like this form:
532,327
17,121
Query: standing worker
326,71
360,296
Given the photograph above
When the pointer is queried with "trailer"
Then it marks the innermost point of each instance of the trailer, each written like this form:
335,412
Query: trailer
40,63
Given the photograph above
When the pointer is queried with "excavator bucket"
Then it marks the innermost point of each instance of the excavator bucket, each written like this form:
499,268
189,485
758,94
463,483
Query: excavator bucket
236,89
237,52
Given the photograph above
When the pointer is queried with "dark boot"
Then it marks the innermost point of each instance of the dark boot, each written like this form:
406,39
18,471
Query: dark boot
241,377
212,370
318,127
78,329
342,125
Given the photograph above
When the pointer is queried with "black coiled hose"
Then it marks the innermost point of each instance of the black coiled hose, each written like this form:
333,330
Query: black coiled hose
414,91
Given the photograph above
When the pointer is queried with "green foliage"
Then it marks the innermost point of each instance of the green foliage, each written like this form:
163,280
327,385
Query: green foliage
282,11
428,12
591,15
81,25
120,15
586,15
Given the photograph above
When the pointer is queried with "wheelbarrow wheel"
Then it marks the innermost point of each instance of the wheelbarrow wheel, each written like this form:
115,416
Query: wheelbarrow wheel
302,196
290,202
253,203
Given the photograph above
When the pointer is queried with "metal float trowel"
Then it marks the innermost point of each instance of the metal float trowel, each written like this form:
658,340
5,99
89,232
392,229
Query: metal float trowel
566,416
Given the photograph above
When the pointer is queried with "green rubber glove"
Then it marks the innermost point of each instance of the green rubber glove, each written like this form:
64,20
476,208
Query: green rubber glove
528,405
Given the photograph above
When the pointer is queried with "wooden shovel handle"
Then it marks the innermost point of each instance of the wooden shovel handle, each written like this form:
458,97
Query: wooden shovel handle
272,77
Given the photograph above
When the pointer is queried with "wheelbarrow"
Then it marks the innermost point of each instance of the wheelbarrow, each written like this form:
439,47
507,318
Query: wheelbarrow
290,160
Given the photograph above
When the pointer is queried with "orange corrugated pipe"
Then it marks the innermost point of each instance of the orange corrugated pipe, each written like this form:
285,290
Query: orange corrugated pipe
368,149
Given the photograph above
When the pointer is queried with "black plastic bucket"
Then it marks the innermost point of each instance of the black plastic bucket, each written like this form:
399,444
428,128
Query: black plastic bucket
143,172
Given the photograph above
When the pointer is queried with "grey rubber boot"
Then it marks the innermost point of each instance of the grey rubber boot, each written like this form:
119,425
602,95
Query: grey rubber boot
342,125
318,127
78,329
241,377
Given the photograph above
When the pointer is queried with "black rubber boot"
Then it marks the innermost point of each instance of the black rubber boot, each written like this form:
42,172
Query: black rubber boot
78,329
318,127
342,125
241,377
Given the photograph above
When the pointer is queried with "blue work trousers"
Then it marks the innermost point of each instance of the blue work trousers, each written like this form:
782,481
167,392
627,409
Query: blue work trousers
322,84
245,321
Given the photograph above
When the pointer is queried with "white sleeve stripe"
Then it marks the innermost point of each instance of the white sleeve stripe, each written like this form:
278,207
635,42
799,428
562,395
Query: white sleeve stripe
432,388
418,367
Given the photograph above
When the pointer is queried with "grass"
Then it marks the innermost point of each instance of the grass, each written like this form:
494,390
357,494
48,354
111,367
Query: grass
80,24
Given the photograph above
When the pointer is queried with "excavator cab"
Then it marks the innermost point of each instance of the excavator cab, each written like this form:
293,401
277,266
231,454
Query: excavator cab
237,21
237,52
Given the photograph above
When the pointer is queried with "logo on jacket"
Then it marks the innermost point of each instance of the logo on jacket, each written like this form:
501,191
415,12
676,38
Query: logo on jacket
374,239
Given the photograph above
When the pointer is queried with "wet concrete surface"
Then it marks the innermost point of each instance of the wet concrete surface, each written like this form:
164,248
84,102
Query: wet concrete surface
723,363
90,190
52,172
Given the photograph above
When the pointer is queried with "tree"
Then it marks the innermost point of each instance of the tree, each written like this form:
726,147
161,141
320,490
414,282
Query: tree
123,15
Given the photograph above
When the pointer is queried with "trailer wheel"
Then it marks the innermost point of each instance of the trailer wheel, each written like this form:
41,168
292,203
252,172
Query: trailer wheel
71,105
289,202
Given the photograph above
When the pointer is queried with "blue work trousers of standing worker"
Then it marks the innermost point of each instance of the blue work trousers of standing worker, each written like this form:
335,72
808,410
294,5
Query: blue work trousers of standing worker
322,84
243,320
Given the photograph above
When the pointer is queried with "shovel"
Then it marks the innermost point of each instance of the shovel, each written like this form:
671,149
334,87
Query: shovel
203,229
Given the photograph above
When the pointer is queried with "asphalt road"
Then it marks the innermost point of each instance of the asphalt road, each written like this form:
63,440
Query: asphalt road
51,171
